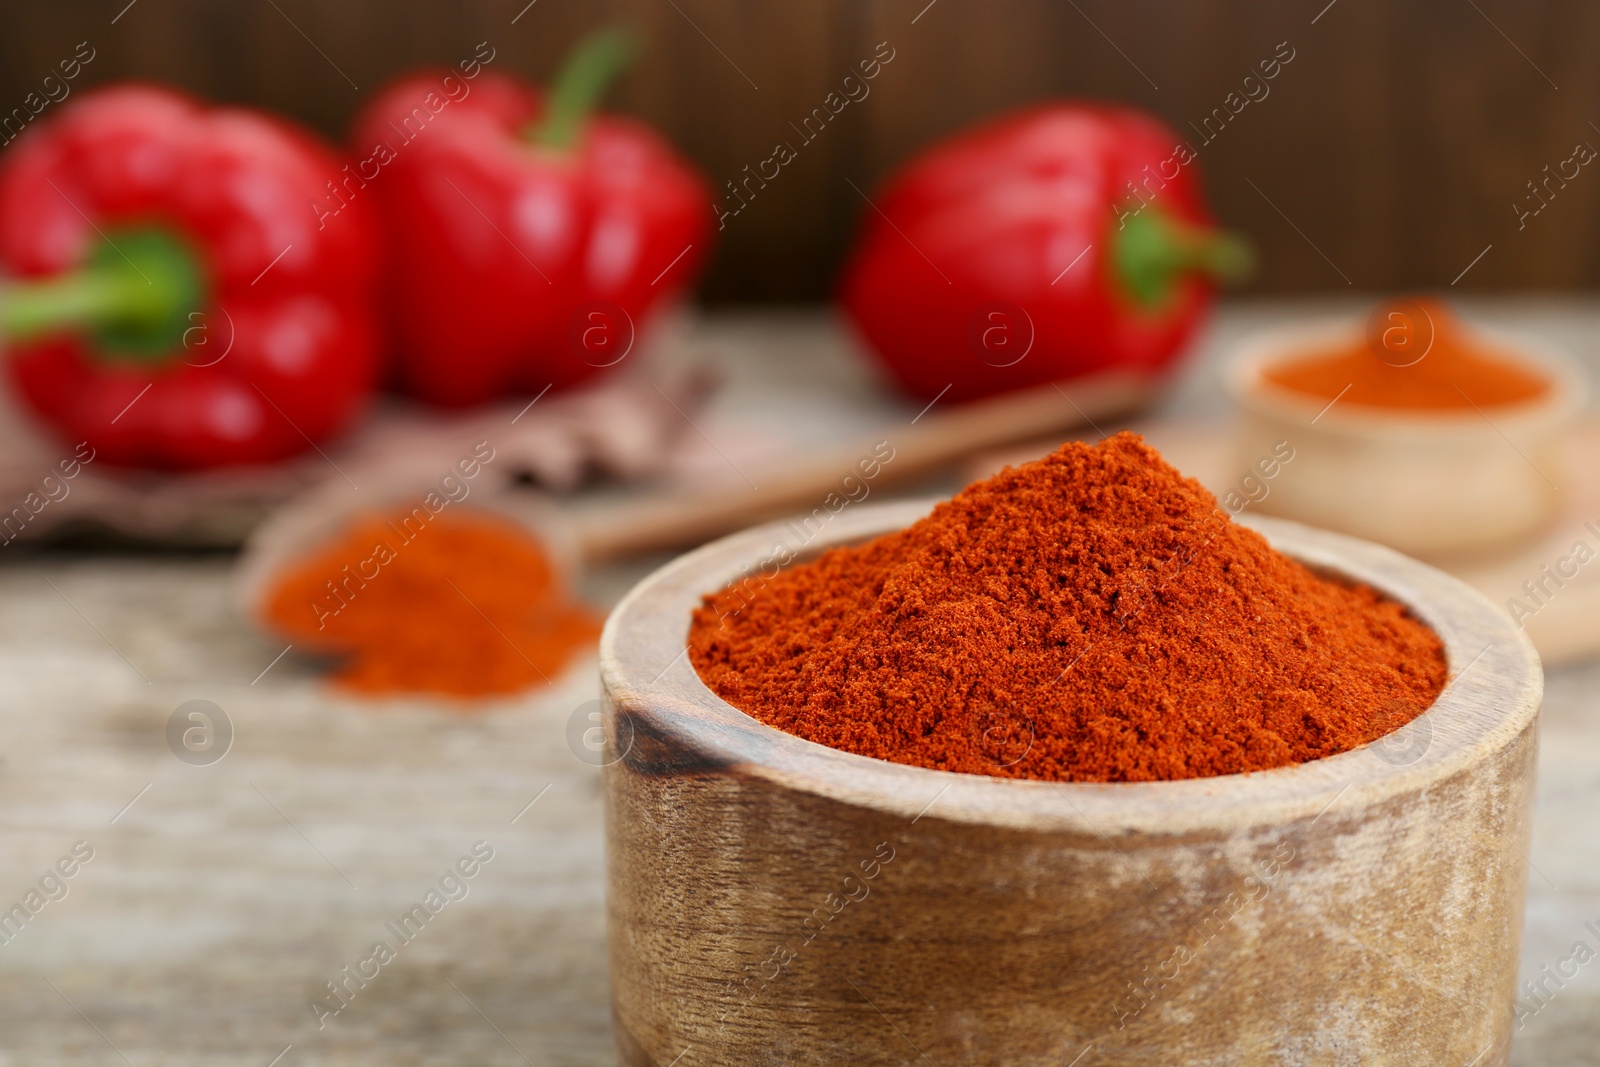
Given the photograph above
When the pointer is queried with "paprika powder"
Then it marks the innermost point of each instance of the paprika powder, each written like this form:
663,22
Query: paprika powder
1415,355
465,604
1093,616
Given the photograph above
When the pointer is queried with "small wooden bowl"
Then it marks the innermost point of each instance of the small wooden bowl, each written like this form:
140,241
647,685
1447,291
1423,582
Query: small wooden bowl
1430,483
776,901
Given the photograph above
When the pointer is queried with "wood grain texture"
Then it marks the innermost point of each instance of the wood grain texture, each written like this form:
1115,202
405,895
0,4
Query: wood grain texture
1388,154
204,923
775,901
216,905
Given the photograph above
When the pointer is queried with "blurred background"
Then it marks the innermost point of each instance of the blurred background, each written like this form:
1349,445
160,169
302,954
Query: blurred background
1433,146
1396,141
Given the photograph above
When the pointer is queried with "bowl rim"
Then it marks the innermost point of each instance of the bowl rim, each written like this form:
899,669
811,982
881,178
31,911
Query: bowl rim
1243,377
1492,697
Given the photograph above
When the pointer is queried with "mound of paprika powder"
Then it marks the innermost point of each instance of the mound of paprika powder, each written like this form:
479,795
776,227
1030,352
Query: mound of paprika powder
1093,616
465,604
1416,355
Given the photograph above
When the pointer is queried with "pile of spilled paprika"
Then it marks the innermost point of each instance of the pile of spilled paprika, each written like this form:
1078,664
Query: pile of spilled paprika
1093,616
463,604
1415,355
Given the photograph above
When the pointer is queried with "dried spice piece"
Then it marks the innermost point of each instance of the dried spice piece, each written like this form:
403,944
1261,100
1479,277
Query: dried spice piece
1093,616
1416,355
461,603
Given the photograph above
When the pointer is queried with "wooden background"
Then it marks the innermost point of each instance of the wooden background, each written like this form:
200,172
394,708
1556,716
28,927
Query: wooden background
1388,154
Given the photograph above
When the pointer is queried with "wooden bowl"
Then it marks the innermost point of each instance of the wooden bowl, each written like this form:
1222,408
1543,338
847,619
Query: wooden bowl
774,901
1434,484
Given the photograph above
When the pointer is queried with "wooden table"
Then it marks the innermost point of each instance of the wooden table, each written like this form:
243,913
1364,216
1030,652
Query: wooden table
221,898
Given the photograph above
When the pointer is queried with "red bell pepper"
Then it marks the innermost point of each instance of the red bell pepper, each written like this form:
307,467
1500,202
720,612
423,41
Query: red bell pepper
529,240
173,301
1056,242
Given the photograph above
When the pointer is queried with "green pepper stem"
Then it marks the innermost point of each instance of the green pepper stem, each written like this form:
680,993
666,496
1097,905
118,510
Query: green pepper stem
135,295
81,298
1151,252
589,70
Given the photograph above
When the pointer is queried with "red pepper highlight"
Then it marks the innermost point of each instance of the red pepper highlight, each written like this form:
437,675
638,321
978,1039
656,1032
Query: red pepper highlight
172,300
1053,243
530,239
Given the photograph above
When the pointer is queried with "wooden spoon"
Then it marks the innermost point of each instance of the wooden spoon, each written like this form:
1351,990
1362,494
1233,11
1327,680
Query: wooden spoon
675,517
